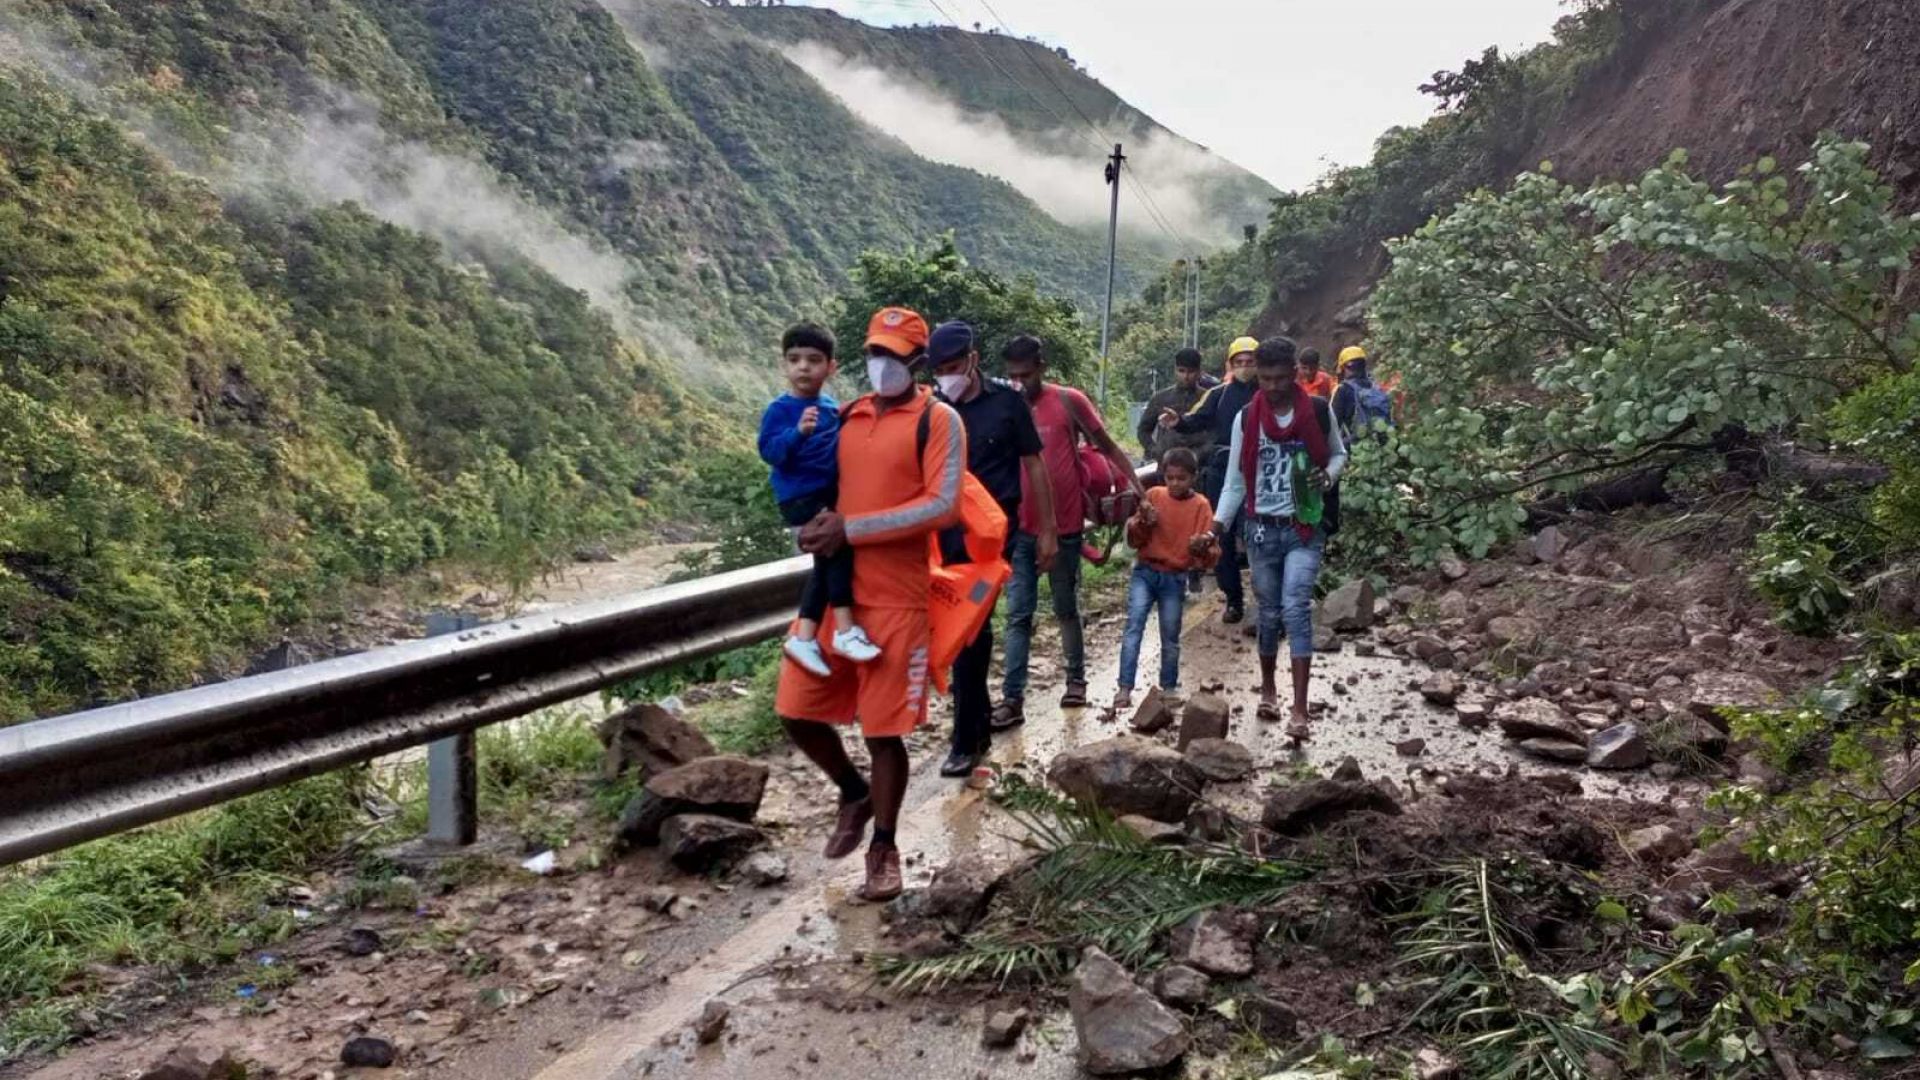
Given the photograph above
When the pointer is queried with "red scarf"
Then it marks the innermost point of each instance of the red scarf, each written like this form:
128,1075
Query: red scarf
1305,426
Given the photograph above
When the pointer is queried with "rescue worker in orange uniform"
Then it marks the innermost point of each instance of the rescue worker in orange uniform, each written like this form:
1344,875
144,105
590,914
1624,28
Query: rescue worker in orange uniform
902,455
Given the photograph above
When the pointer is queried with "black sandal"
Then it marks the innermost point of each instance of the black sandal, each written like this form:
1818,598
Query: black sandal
1075,696
1009,713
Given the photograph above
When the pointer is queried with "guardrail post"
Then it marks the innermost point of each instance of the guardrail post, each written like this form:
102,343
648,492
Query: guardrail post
453,774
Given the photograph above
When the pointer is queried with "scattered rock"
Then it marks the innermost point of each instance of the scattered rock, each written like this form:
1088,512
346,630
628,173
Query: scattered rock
1218,942
1316,804
727,787
651,738
1471,715
1451,568
1549,544
1129,775
1442,688
361,941
1752,770
1181,986
1003,1028
1324,637
1402,597
1349,607
1208,823
1658,843
1220,760
368,1052
1121,1028
1537,718
962,889
1710,691
1410,747
1431,1064
1621,746
184,1063
697,843
1454,605
1512,629
712,1021
1348,771
1561,750
1272,1021
1433,651
764,868
1712,642
593,553
1204,717
1153,832
1154,713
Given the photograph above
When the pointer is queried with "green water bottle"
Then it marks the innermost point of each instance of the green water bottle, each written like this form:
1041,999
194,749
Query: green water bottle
1309,503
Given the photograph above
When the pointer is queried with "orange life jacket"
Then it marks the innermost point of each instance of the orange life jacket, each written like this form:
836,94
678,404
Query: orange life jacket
960,598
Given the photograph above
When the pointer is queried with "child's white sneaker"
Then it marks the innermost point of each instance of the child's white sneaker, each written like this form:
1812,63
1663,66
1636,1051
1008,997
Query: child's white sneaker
806,653
853,644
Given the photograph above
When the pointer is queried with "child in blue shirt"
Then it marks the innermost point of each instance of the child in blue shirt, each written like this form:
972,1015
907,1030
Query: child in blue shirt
800,440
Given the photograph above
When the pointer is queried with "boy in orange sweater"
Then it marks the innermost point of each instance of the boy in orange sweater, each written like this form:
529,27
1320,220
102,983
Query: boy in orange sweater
1173,534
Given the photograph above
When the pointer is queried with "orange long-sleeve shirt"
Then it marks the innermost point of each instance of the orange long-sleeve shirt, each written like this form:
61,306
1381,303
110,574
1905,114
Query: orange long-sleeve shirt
1164,545
892,497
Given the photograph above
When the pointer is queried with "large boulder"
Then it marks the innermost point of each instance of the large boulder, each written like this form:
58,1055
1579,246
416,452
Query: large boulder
1349,607
1621,746
1316,804
697,843
727,787
1120,1027
1537,718
651,738
1222,761
1128,775
1204,717
962,889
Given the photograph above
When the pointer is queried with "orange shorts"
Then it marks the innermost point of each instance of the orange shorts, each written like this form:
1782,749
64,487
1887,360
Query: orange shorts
888,696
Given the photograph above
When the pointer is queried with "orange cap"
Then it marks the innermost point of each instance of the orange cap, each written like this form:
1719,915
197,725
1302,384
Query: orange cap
900,330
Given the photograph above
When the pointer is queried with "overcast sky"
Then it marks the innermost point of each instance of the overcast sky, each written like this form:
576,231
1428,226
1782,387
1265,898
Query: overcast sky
1283,87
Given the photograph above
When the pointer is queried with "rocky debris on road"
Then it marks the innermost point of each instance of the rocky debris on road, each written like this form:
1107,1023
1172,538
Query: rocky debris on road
1204,717
764,869
1658,843
1220,760
1548,545
1003,1028
1154,713
1120,1027
594,553
1218,942
1413,747
368,1052
186,1063
1472,715
360,941
698,843
1316,804
1621,746
712,1021
1451,568
1349,607
961,890
1564,751
652,739
1181,986
728,787
1537,718
1153,832
1441,688
1271,1020
1128,775
1708,692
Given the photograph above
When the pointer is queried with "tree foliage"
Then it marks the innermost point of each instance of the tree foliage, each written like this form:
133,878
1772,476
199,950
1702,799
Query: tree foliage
1553,335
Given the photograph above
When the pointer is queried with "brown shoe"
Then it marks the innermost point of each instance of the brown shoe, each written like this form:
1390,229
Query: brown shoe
883,874
850,829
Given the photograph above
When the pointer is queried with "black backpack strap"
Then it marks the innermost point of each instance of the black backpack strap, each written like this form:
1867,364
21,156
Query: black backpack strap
924,431
1330,501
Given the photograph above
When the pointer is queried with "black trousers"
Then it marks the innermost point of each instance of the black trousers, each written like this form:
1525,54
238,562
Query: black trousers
831,583
972,704
1213,479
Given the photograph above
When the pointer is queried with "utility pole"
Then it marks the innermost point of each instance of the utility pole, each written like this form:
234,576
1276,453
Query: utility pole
1113,234
1198,263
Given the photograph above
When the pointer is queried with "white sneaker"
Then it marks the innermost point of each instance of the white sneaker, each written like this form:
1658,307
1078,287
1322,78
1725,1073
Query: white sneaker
806,653
852,643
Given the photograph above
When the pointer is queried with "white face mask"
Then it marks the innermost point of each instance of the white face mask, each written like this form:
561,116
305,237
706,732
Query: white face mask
888,376
954,387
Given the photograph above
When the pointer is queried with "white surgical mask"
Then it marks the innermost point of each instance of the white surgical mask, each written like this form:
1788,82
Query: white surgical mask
888,376
954,387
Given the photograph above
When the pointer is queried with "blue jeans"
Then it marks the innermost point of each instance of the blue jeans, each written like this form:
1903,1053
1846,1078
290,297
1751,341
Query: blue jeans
1151,589
1285,568
1023,596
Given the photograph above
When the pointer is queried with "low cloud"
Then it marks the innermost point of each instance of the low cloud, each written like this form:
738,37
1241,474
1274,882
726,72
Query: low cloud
1061,170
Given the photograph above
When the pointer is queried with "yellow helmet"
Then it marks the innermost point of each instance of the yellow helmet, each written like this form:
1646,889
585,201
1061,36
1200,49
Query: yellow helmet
1350,353
1242,345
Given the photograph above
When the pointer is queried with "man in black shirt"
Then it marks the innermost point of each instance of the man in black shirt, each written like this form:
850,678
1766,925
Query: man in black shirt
1002,443
1182,396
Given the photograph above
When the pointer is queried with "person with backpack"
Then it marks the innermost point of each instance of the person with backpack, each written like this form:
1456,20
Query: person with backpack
1361,406
1003,453
1287,454
1064,418
1215,415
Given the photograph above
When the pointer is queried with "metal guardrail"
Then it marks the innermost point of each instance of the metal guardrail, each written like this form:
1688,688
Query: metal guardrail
69,779
73,778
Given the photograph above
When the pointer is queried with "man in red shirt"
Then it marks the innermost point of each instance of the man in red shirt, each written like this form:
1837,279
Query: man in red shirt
1064,416
894,493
